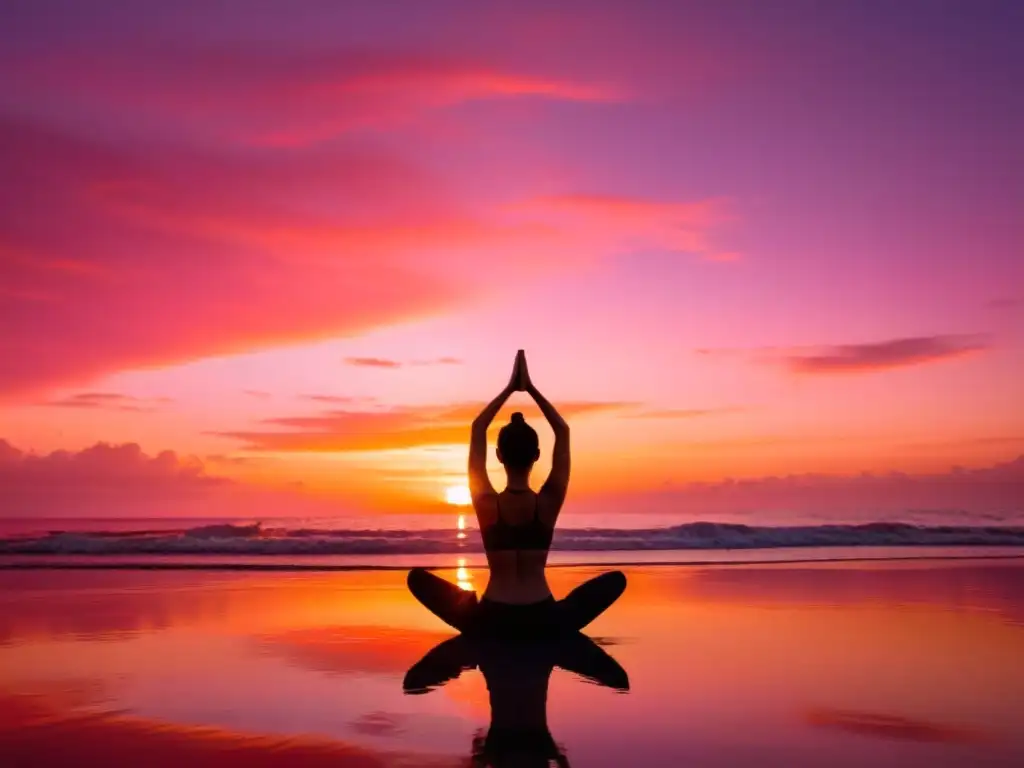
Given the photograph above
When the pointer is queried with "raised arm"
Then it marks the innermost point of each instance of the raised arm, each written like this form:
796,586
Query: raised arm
479,482
557,483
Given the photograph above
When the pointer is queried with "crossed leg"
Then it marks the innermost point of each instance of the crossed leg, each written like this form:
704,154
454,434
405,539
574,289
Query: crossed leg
456,607
449,602
590,599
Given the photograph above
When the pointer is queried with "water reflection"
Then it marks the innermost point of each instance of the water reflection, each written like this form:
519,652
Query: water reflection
517,677
463,577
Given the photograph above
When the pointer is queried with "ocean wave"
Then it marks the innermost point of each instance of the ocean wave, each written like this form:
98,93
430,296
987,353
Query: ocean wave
255,539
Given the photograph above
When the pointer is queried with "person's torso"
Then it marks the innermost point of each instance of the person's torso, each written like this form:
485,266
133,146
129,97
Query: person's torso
517,545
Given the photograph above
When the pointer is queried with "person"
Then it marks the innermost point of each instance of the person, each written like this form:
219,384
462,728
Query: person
517,526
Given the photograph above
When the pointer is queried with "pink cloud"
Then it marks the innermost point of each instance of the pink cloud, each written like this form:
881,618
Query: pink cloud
886,726
956,495
380,362
284,98
157,257
857,358
372,362
108,480
109,401
185,254
179,234
893,353
100,479
333,399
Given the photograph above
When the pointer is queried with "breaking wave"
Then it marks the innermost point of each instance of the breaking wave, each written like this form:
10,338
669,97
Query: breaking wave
255,539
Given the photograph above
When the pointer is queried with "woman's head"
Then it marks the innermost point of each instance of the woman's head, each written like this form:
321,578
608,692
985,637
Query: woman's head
517,444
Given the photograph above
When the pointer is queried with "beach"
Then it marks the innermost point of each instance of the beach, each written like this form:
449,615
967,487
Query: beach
881,663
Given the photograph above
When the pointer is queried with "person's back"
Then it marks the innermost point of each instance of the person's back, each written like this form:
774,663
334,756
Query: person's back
517,539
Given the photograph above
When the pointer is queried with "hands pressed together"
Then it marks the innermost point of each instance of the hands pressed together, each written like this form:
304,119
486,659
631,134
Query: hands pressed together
520,381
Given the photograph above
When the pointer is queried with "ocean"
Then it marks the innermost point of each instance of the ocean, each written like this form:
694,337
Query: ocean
403,541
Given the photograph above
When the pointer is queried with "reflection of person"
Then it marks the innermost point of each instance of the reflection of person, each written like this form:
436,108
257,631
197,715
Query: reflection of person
517,678
517,525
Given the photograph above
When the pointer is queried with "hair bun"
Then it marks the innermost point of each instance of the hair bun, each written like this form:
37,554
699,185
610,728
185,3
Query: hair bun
517,418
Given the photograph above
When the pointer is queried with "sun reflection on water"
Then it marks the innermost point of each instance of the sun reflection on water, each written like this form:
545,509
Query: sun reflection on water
463,577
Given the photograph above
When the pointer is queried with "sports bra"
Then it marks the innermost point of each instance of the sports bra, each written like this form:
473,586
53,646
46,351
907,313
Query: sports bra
532,534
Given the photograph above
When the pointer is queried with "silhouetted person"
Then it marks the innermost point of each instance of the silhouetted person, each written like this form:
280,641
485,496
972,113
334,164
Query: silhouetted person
517,678
517,525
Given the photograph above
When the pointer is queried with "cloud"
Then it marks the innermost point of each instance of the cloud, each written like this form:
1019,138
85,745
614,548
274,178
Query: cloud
382,362
109,401
121,480
174,197
101,479
883,355
956,495
92,237
281,96
894,727
333,399
259,271
394,428
258,394
372,362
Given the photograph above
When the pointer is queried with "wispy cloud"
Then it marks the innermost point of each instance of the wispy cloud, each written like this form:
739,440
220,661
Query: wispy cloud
388,429
334,399
280,96
313,274
898,727
258,394
109,401
883,355
941,496
254,160
384,362
372,362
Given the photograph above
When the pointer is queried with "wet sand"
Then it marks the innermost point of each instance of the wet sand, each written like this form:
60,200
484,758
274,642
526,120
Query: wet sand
837,664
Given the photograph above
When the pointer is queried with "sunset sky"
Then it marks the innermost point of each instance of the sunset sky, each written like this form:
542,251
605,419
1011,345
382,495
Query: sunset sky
298,245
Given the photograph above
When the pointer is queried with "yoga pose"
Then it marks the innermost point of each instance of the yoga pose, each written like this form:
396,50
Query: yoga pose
517,525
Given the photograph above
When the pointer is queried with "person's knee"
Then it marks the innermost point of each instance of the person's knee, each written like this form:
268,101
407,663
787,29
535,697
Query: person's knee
615,580
415,576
